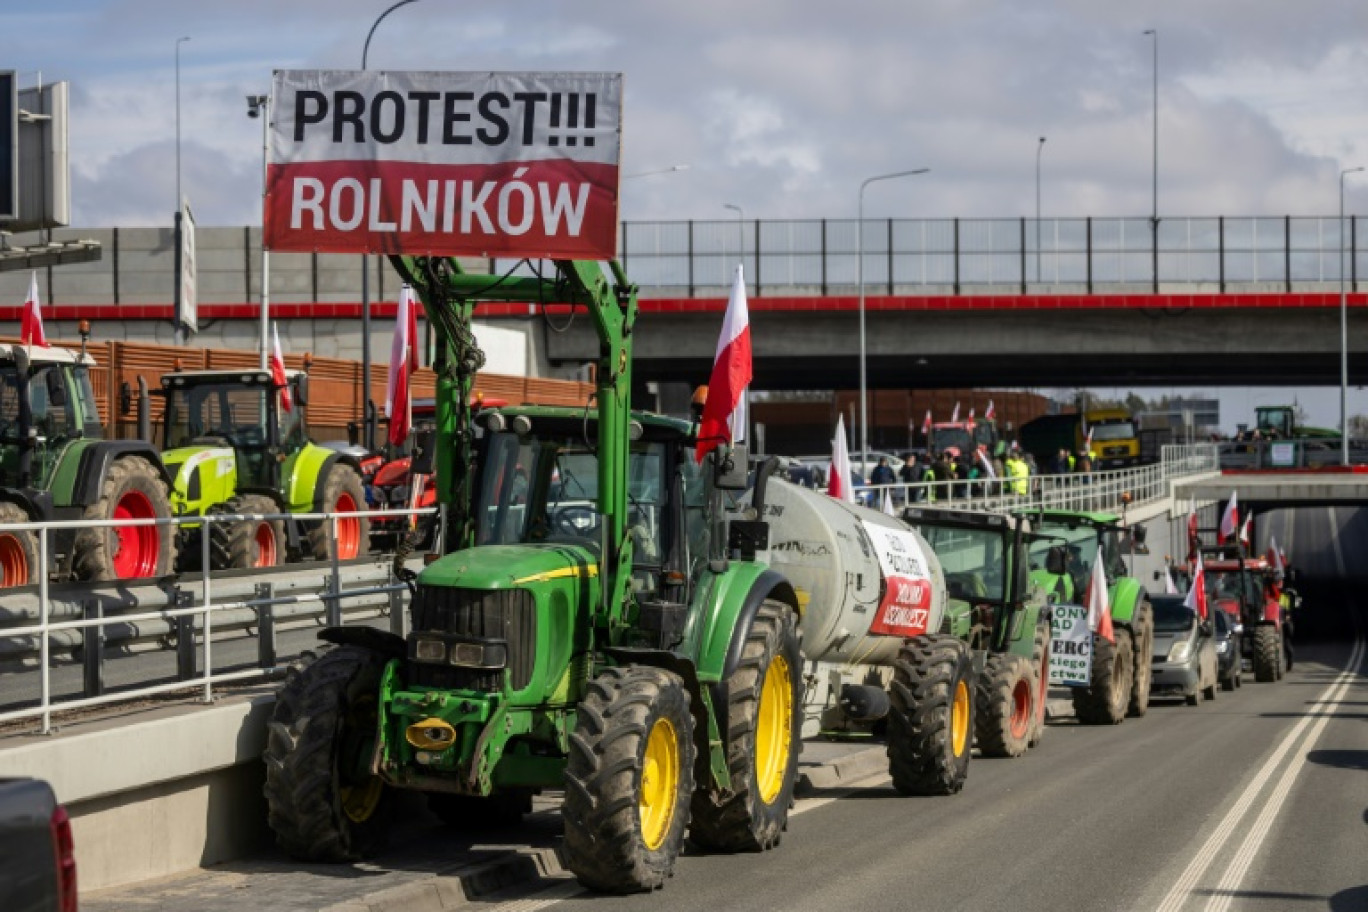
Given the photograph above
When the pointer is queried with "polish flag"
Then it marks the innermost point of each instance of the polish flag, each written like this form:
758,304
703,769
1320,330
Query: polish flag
1087,443
278,371
403,362
1275,556
838,479
986,462
888,504
926,424
971,414
990,413
954,416
1170,587
1099,604
1230,521
724,413
31,324
1196,597
1246,532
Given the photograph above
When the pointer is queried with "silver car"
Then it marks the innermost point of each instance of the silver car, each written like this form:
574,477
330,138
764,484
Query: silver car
1184,653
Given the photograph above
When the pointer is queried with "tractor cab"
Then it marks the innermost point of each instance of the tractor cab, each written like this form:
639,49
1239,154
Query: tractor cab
1243,588
47,402
1275,421
1068,544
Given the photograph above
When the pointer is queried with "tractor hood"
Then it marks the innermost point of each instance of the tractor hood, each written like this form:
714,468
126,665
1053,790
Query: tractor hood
200,476
510,566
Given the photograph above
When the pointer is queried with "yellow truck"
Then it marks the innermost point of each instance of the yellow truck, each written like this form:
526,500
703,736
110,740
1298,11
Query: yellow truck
1115,441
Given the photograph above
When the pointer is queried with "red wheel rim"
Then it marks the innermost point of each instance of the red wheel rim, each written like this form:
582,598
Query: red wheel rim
14,569
348,528
1021,708
139,546
265,541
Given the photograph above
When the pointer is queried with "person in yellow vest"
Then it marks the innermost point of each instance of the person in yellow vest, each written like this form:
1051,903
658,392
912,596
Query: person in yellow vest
1017,471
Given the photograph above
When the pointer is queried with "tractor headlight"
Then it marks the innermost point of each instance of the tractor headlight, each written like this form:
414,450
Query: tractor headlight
429,650
1181,651
479,655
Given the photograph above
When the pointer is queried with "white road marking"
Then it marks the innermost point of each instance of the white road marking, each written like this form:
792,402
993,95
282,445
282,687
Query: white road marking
1319,714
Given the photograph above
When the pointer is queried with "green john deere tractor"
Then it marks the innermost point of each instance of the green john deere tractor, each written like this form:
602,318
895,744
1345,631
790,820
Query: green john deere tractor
54,466
595,624
234,447
1001,613
1061,563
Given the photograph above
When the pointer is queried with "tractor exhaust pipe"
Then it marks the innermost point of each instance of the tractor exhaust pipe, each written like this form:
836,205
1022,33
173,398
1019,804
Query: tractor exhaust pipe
144,411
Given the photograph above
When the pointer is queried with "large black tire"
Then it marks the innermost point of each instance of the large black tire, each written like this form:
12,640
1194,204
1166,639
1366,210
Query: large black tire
1107,698
248,542
95,552
322,803
1142,637
931,716
608,844
763,731
1004,714
1040,670
1267,653
19,564
340,483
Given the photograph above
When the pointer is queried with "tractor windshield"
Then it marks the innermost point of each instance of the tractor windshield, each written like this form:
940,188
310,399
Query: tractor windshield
1227,585
974,561
222,414
942,438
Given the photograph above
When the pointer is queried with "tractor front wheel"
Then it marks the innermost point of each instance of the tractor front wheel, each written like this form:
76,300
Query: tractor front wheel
342,492
1107,697
132,490
1143,628
322,801
931,716
1267,653
628,780
247,542
762,740
18,549
1005,714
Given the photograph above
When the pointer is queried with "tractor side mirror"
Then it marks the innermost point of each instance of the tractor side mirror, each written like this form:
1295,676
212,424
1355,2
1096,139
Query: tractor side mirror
125,398
56,390
302,389
1139,533
732,469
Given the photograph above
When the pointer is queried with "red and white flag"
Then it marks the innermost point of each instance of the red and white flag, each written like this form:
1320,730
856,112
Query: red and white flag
888,504
724,414
971,414
278,371
926,424
403,363
1275,556
31,325
838,479
954,416
1170,587
987,464
1246,529
1230,521
1099,603
1196,597
1087,443
990,413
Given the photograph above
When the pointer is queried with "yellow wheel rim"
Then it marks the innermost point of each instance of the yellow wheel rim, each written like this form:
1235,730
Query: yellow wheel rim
659,783
774,730
959,719
360,801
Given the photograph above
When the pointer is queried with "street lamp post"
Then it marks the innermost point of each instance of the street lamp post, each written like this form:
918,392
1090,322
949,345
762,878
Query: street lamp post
859,272
179,327
1344,329
740,231
259,106
1040,147
1154,158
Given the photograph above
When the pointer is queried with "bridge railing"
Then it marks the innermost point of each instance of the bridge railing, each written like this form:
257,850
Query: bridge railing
101,637
1103,491
949,255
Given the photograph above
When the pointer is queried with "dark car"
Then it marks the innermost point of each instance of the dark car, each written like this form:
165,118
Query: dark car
1229,658
37,857
1184,653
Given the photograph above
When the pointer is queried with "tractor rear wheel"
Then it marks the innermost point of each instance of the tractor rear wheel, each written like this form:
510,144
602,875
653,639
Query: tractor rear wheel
1105,700
1040,670
322,801
342,492
931,716
628,780
763,724
1006,701
1142,630
247,542
18,549
1266,653
133,489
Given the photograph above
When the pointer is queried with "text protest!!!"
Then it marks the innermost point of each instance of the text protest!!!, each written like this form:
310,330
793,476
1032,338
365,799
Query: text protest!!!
504,164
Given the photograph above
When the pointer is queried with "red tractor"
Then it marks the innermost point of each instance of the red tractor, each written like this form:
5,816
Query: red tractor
1247,589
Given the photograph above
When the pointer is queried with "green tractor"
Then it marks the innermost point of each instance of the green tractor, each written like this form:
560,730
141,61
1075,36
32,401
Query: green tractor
1001,613
594,624
54,466
1062,563
233,447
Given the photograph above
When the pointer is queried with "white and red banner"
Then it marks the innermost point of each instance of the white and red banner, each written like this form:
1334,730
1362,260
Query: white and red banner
907,607
724,412
31,323
278,376
477,164
403,364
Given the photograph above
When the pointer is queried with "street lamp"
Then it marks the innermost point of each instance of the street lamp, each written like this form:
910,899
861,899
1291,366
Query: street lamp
1154,168
859,271
367,407
179,327
258,106
1344,331
1040,147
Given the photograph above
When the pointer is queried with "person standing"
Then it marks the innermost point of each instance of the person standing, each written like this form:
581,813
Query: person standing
1017,472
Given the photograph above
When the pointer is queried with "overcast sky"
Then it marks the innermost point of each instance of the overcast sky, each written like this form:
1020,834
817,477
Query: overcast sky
779,107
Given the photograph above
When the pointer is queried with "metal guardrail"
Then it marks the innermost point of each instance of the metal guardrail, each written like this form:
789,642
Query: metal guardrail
1299,453
183,612
1091,491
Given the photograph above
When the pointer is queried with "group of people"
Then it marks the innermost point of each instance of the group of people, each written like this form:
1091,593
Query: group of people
1006,469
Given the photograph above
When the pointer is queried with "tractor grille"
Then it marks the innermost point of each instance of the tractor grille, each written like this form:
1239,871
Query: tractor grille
506,614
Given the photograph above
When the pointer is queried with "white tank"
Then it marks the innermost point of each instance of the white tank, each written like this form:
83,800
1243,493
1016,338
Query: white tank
865,580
